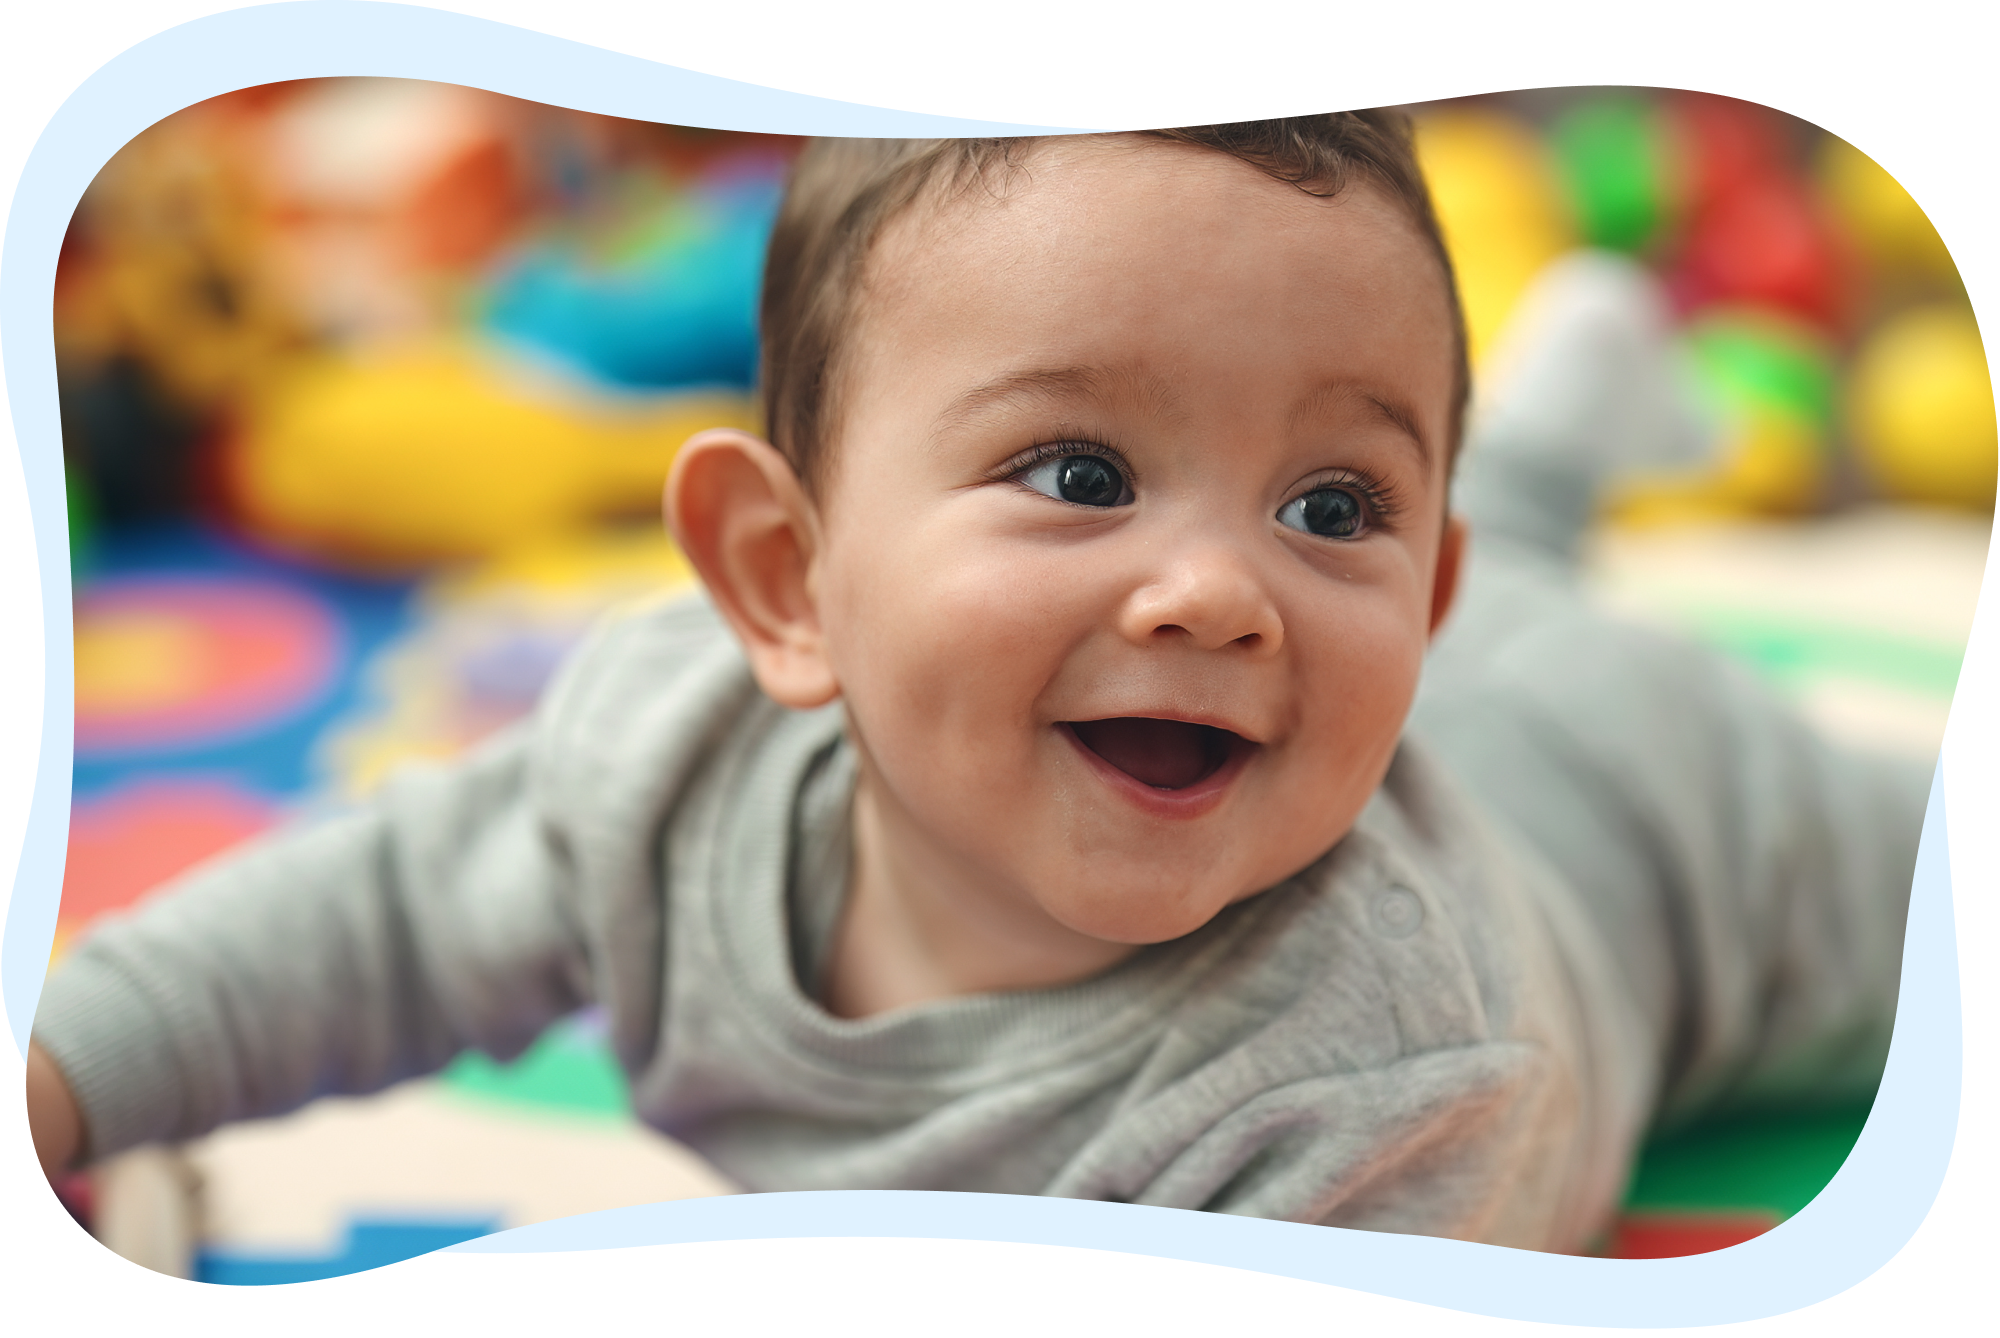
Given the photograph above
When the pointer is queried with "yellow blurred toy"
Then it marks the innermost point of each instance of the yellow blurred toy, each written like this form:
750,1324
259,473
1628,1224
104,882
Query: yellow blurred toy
436,453
164,263
1890,228
1920,404
1500,207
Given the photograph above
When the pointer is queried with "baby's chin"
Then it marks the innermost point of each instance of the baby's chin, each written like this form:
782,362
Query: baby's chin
1139,912
1138,896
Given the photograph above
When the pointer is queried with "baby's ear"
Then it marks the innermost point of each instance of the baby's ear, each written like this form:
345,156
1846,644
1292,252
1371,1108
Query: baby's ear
737,510
1451,561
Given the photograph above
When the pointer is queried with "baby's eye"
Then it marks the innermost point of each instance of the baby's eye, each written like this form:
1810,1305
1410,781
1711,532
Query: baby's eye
1086,480
1332,513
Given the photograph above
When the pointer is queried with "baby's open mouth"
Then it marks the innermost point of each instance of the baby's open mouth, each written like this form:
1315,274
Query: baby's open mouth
1165,754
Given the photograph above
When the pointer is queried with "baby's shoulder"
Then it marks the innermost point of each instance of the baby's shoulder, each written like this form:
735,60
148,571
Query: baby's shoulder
640,701
1460,914
637,651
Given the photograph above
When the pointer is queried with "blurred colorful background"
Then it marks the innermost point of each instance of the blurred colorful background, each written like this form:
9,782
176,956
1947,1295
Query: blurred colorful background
369,388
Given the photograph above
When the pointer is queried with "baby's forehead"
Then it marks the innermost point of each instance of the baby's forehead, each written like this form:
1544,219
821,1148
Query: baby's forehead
1057,239
1150,197
1107,235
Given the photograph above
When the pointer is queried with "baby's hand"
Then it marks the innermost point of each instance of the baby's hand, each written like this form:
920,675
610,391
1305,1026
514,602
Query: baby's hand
53,1118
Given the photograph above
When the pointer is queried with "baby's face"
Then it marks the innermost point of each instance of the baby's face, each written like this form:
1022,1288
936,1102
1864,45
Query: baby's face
1131,548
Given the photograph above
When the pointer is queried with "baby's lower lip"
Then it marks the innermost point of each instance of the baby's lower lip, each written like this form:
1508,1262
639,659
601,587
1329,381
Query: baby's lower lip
1167,768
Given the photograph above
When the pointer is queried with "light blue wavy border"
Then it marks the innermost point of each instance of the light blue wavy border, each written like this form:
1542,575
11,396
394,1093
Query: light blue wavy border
1865,1215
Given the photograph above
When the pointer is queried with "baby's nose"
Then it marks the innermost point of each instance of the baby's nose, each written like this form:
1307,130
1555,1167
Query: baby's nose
1210,598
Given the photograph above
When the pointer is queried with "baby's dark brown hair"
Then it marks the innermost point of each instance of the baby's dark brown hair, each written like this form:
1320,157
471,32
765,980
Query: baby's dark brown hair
843,192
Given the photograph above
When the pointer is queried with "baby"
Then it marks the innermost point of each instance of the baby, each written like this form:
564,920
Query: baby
1028,806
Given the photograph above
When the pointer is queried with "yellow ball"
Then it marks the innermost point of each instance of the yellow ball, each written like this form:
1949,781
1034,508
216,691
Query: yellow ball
1500,207
1921,408
1887,224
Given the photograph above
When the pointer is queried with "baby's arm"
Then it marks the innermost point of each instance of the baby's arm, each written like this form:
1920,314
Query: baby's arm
1749,877
335,957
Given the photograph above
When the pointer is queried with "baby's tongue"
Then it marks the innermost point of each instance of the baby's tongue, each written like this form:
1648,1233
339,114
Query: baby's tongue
1166,754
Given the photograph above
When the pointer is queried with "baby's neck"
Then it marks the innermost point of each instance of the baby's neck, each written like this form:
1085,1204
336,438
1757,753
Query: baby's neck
919,925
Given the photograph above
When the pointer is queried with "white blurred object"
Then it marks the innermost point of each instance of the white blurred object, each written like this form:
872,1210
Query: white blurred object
1587,383
1877,719
361,145
1871,589
1907,571
421,1150
147,1208
1588,369
347,164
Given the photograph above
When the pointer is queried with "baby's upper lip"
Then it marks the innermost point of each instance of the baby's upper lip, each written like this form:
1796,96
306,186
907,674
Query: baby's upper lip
1237,727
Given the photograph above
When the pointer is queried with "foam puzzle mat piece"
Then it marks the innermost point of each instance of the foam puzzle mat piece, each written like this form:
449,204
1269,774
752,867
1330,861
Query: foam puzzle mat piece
368,1243
1670,1235
1773,1162
421,1152
127,842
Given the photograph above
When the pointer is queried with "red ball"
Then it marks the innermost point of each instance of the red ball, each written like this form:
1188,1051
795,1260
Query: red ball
1755,232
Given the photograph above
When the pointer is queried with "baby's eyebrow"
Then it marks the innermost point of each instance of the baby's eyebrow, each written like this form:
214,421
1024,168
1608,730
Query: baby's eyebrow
1387,408
1054,386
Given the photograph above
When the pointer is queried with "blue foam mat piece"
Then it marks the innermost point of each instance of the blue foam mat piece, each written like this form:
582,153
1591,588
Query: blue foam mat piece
369,1243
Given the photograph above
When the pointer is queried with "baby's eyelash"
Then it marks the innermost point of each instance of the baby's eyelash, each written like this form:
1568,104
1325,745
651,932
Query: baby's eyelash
1058,450
1383,500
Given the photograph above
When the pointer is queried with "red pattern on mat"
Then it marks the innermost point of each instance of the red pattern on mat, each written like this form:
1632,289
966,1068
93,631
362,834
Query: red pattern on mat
1671,1235
124,844
219,657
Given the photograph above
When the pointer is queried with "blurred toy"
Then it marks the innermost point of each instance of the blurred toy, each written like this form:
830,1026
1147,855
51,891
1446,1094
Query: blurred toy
1755,233
161,262
1620,169
162,311
131,447
1889,227
671,303
1500,207
1768,381
436,452
1921,405
381,194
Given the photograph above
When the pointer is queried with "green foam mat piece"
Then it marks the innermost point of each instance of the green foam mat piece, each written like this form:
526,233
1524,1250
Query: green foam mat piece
1775,1162
1792,649
568,1068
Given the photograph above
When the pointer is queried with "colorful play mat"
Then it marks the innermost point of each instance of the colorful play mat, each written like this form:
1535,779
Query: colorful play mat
220,689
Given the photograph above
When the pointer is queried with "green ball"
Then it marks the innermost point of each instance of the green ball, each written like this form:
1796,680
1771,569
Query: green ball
1612,153
1756,361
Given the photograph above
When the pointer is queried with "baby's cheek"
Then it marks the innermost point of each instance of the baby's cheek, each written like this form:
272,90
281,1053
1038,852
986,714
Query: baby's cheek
975,646
1355,695
942,710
